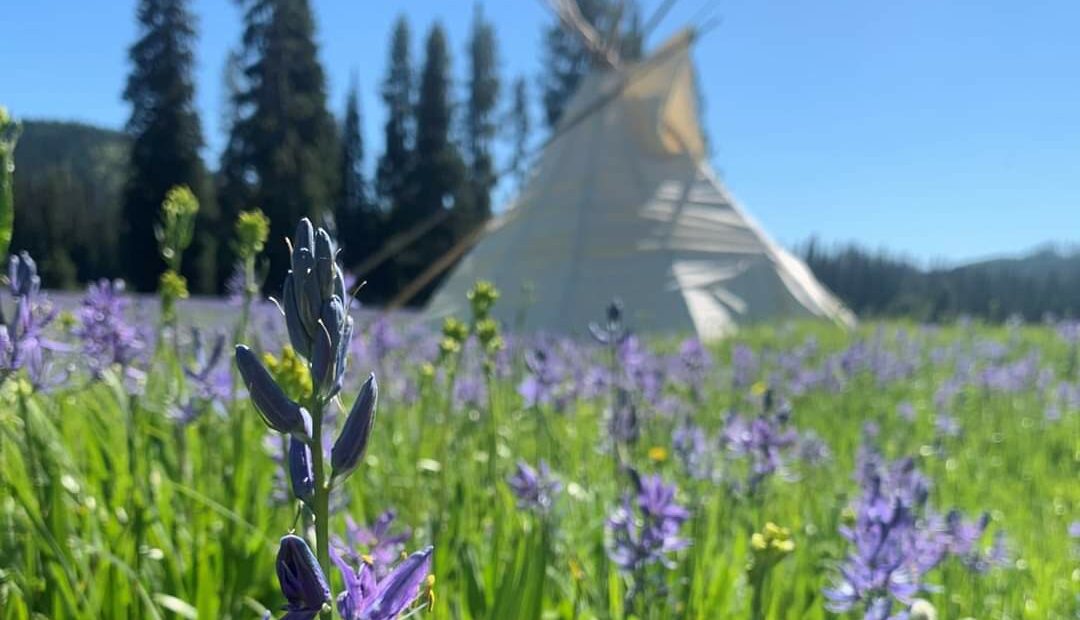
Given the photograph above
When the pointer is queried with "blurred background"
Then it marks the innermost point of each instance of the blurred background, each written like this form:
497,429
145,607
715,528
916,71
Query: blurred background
920,157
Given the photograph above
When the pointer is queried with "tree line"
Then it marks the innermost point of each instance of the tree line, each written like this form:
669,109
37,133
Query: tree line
288,154
1045,283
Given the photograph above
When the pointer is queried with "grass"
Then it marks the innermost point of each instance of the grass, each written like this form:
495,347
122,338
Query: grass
109,509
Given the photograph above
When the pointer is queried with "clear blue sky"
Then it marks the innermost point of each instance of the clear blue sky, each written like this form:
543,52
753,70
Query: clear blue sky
943,129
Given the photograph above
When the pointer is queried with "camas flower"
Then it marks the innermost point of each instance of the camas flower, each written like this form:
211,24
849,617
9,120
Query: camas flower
646,531
107,337
376,545
368,598
535,489
896,539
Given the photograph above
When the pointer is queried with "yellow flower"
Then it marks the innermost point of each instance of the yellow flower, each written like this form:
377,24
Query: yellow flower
576,573
252,230
482,296
429,591
180,202
290,372
759,388
658,454
173,285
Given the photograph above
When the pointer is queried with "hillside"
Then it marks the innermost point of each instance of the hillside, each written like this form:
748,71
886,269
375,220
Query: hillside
877,284
69,180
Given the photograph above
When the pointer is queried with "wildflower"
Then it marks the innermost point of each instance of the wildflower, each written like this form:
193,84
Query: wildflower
313,301
107,337
658,454
366,598
612,332
302,581
23,343
535,489
482,296
649,534
376,545
689,444
896,538
290,372
252,229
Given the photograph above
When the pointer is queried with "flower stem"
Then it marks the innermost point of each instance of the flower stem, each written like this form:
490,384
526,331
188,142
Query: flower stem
322,488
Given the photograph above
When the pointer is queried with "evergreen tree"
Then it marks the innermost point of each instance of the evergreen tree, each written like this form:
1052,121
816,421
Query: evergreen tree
520,126
283,145
439,174
567,60
396,162
480,121
358,218
166,138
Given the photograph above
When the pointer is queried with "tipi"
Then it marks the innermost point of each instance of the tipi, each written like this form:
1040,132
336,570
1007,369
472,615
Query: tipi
622,203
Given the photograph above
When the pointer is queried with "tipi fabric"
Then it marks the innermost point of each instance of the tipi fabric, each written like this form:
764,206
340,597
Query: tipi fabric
622,204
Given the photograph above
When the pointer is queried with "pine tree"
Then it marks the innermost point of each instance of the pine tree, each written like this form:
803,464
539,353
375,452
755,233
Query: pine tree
567,60
439,174
520,127
283,145
480,121
166,138
396,162
358,218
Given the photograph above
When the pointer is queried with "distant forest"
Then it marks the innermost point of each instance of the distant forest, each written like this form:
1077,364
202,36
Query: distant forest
1043,284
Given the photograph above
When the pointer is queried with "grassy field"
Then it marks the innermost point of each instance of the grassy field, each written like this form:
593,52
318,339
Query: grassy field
151,489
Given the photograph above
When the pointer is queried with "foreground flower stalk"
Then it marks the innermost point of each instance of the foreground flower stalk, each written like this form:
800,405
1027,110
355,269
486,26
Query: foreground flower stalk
320,328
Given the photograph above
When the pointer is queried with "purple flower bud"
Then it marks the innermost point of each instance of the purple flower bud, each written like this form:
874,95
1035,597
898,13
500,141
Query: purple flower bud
324,263
301,473
350,445
277,410
298,336
302,581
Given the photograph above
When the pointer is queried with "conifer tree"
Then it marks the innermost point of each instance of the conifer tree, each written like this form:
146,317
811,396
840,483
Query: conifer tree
396,162
283,145
520,127
358,218
166,138
438,178
480,121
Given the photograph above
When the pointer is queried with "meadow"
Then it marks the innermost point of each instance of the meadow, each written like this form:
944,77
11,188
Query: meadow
792,471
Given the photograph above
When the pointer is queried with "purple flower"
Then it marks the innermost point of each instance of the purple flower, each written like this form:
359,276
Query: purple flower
649,534
107,337
366,598
302,581
376,545
535,489
896,539
23,345
744,365
690,446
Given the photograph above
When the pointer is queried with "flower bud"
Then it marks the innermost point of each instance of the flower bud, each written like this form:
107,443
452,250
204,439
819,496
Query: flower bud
301,473
350,445
277,410
302,580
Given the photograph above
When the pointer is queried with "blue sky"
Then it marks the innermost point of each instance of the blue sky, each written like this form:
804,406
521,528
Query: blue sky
942,129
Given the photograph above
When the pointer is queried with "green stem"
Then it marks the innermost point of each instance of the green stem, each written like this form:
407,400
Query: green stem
322,489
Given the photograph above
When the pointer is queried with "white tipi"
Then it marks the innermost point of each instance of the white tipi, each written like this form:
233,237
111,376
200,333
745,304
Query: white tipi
623,204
